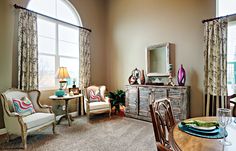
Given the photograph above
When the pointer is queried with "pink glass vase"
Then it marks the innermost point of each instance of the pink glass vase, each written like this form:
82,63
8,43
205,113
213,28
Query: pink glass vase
181,77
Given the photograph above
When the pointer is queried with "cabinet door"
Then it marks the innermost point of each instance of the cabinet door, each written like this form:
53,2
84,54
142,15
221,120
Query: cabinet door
144,101
131,100
159,93
178,103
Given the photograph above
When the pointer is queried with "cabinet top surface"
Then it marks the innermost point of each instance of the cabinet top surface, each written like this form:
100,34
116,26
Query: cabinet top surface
157,86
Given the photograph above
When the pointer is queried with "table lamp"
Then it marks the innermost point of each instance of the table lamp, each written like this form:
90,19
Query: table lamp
62,74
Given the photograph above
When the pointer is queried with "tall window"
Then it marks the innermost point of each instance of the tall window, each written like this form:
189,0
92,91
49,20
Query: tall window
58,43
226,7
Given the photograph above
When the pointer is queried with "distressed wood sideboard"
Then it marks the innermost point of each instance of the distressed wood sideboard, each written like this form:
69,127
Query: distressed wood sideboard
138,98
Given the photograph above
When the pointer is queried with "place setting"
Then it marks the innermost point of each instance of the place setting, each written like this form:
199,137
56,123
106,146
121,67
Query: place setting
211,129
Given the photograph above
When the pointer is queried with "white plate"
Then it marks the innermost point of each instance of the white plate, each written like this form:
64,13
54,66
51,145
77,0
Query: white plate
204,128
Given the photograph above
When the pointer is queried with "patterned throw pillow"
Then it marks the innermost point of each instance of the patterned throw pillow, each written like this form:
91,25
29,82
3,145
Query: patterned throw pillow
95,96
23,106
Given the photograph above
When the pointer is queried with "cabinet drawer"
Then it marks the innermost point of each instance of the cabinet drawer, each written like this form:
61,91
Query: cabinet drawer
159,93
175,92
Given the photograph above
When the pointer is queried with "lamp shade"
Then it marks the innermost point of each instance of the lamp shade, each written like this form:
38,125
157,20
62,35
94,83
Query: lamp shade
62,73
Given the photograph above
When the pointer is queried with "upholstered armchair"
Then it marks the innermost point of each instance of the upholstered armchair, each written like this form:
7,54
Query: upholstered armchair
95,101
21,125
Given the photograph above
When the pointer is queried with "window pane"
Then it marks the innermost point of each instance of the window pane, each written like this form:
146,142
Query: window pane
231,58
67,14
226,7
231,41
68,49
68,33
46,71
47,7
46,45
46,28
73,68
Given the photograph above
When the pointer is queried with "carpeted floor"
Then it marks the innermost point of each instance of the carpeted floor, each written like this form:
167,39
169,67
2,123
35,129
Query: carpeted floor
98,134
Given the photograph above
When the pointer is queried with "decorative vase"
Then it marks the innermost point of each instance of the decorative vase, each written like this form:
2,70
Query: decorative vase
60,93
142,77
181,77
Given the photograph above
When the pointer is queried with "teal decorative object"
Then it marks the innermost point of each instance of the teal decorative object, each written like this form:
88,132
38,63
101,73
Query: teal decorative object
60,93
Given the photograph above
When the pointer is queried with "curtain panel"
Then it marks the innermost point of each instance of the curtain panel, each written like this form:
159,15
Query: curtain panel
215,68
84,59
27,51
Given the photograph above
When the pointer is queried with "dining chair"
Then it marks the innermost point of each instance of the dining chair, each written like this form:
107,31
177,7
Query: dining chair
229,102
161,147
162,120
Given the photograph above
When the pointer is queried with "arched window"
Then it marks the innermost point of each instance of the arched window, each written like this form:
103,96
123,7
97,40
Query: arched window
58,43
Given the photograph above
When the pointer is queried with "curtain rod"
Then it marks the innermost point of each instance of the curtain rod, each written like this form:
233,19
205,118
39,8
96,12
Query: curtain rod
206,20
19,7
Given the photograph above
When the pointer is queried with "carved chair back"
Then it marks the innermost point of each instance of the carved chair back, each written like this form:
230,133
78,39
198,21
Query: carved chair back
162,119
161,147
229,101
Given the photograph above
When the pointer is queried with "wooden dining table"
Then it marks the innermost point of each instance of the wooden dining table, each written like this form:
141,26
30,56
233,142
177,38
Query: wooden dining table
181,141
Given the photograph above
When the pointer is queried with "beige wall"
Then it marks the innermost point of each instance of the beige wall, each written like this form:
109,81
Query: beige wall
133,25
92,13
6,33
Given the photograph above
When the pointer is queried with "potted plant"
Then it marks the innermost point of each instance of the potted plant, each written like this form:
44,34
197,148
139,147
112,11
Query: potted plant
117,100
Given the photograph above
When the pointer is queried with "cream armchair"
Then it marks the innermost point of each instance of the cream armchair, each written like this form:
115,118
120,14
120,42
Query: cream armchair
22,125
96,107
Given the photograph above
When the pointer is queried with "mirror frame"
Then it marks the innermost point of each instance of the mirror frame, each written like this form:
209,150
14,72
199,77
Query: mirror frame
148,49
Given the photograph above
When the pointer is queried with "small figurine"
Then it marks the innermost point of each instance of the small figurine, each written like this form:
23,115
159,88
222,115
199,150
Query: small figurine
135,77
71,93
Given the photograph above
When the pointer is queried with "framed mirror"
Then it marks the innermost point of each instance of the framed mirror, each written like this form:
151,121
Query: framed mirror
158,60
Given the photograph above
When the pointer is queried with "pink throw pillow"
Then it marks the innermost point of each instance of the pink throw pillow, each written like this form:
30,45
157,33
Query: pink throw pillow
23,106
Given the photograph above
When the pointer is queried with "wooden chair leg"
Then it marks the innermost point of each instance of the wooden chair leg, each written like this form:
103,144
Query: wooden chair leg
8,137
53,127
110,114
88,115
24,140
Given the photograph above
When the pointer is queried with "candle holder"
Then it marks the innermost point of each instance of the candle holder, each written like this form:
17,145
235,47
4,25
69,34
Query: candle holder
74,86
170,81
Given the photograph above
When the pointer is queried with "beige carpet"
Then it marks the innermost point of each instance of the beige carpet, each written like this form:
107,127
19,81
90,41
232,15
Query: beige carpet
97,134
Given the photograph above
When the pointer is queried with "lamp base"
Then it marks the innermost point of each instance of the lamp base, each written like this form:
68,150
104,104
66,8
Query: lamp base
60,93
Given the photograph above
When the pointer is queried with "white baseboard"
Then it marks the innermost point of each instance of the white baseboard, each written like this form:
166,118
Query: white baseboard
74,114
3,131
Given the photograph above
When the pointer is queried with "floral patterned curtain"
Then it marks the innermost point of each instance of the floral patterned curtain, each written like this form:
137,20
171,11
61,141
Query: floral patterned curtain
27,50
215,54
84,58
